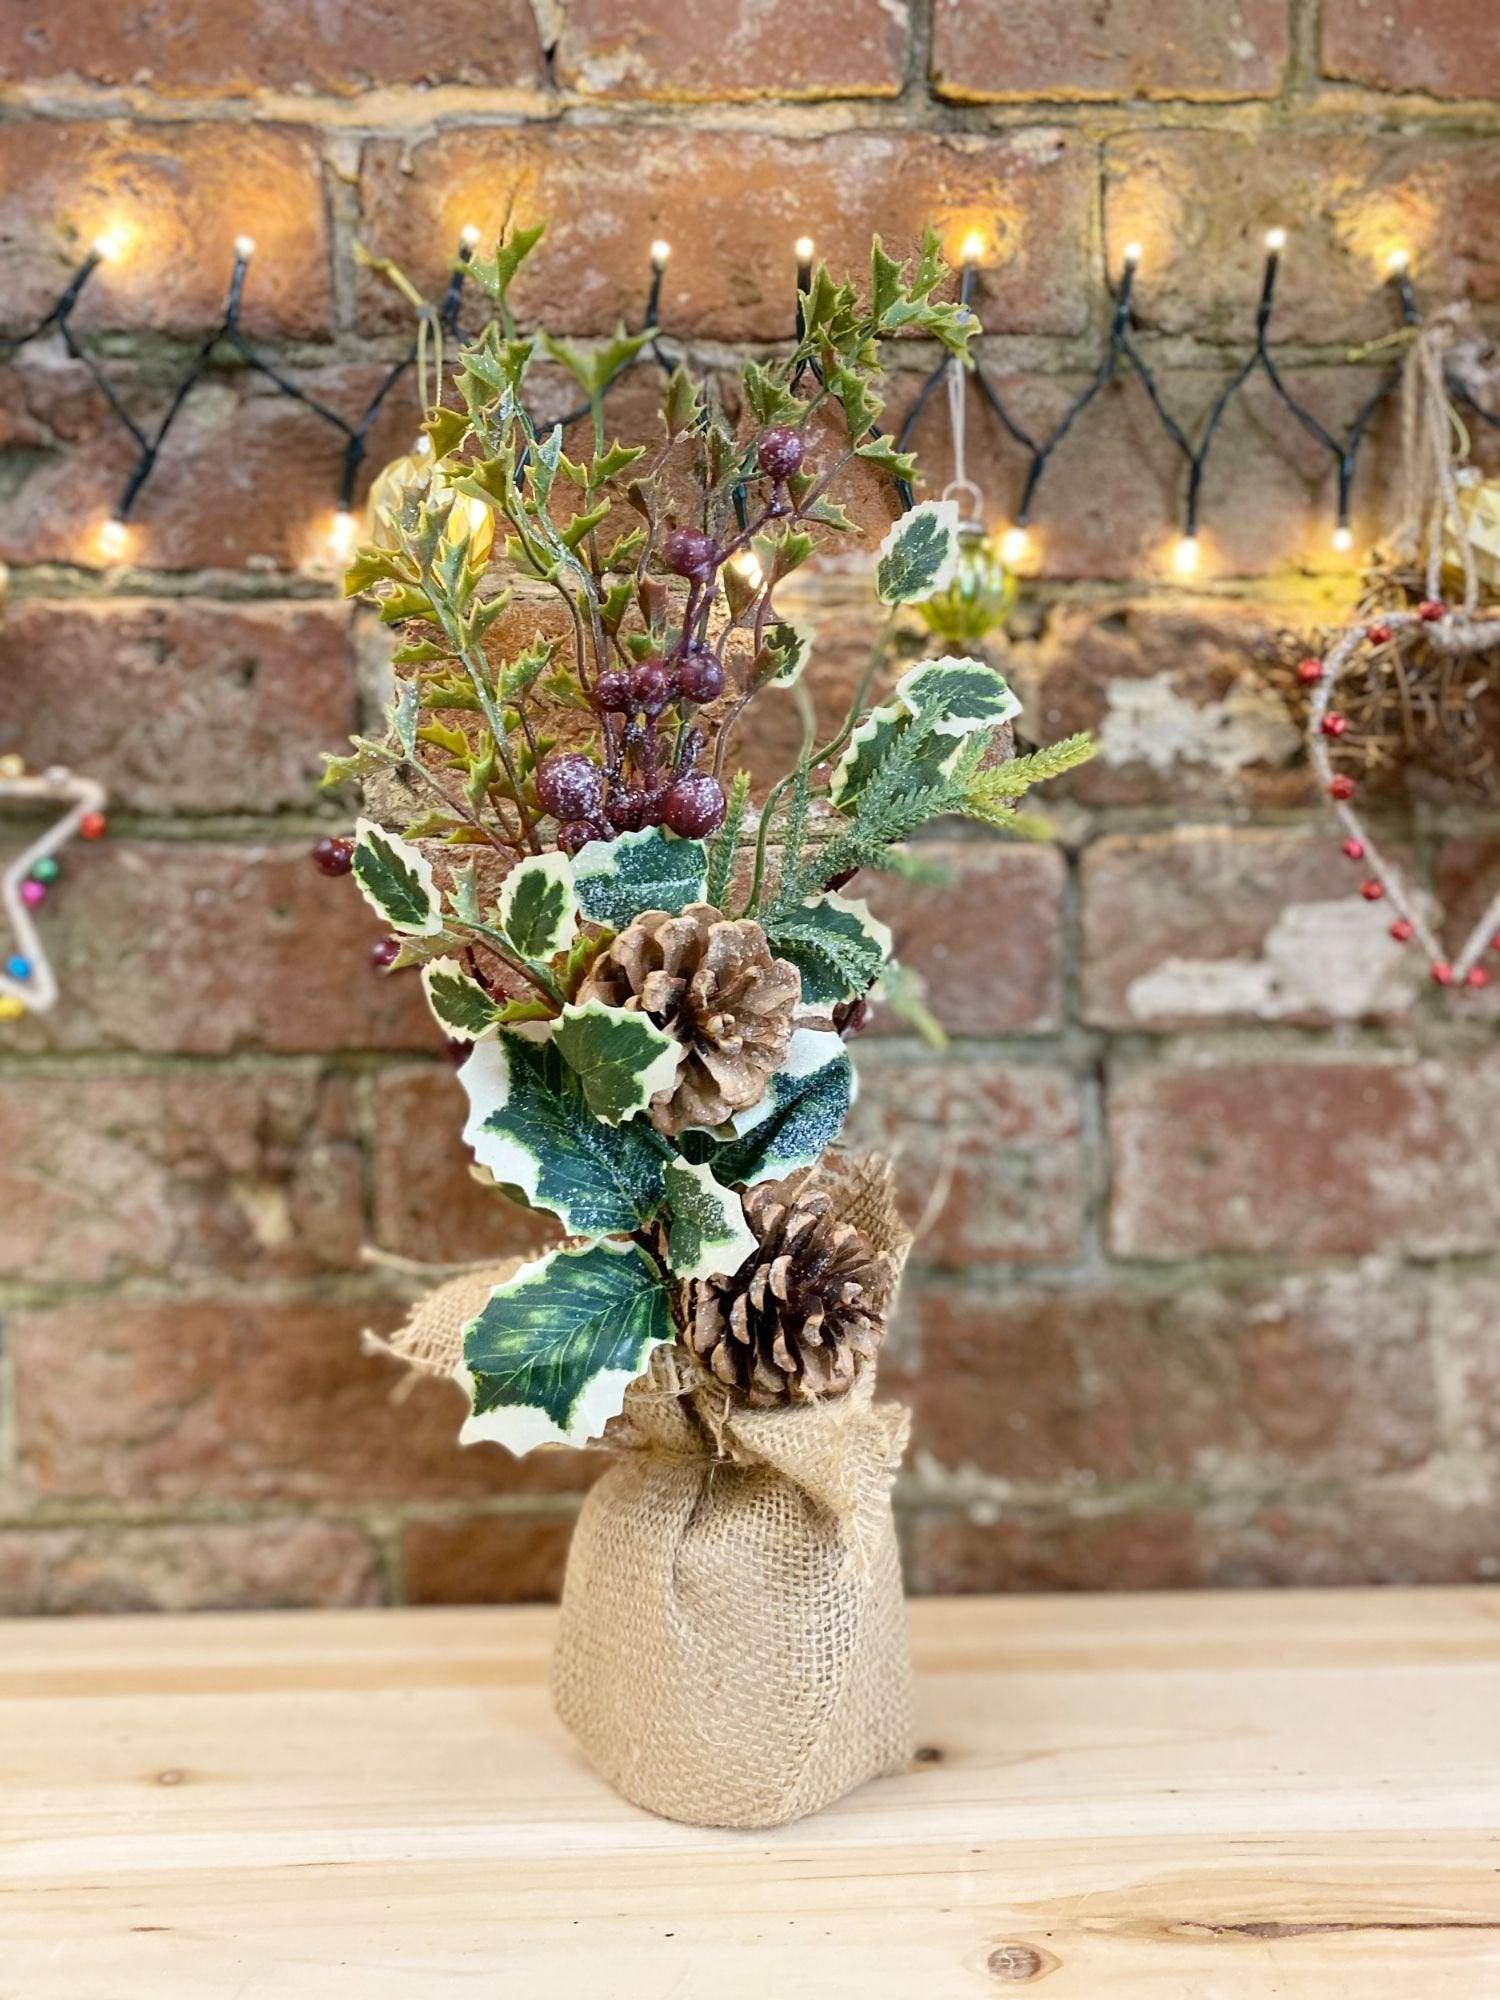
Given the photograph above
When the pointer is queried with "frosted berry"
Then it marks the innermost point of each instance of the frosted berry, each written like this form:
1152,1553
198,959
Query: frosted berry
691,553
334,856
1372,891
1309,671
1378,635
694,806
1401,930
780,453
1334,725
700,678
651,687
569,785
1431,609
1341,786
576,833
626,810
1476,976
612,693
93,826
383,953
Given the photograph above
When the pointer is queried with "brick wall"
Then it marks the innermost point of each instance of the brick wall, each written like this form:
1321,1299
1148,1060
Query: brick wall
1214,1296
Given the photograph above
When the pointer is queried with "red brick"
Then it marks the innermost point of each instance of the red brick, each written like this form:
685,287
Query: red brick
248,479
1200,202
1317,1157
1051,1548
1465,1317
207,1566
486,1559
206,950
752,194
1221,1384
999,1146
1218,923
427,1203
249,45
215,1400
733,49
997,970
986,51
248,1173
178,194
1466,879
1176,697
1446,48
188,706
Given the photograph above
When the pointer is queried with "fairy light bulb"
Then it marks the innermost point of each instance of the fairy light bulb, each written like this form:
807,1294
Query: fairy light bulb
468,236
1015,545
972,248
110,245
114,539
1132,255
661,250
1275,241
1343,538
747,566
477,511
1398,263
342,533
1187,555
803,247
244,248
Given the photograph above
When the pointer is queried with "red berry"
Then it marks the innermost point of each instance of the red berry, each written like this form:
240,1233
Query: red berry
1495,942
1442,973
1372,891
1432,609
780,453
694,806
700,678
383,953
1309,671
92,826
334,856
576,833
1401,930
651,687
1378,635
612,693
1355,849
626,810
1334,725
569,785
852,1018
1340,786
844,877
1476,976
689,552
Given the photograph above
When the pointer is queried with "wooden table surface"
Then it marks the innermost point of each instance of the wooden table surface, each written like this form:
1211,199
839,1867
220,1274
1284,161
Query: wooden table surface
1181,1797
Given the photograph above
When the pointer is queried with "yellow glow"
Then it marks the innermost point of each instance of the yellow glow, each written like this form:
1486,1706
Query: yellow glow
114,539
113,241
468,236
661,250
972,248
1132,254
1187,555
1015,546
343,533
478,513
1343,539
804,249
1397,262
1275,240
747,565
244,248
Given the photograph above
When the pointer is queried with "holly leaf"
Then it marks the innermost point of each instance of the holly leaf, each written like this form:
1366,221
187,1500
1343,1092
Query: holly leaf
621,1058
708,1236
531,1126
788,648
955,697
395,880
795,1122
919,555
553,1349
459,1003
537,906
652,870
835,943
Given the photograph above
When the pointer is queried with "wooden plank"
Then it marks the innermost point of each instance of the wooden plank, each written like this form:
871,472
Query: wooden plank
1118,1798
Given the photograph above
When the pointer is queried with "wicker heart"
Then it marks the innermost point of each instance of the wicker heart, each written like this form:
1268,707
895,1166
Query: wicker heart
1458,632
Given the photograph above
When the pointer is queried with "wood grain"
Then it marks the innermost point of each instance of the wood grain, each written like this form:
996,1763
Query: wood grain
1117,1798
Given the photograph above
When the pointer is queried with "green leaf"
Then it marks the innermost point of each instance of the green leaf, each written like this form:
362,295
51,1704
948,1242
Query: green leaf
679,408
365,758
726,841
458,1001
789,648
395,880
651,870
621,1058
553,1350
530,1125
537,906
919,555
954,697
868,746
708,1236
771,401
882,452
835,943
496,273
796,1121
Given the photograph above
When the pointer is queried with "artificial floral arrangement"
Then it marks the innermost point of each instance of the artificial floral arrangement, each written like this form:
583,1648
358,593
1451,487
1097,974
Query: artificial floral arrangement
657,976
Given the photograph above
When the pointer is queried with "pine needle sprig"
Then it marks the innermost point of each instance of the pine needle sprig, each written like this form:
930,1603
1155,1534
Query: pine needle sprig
721,855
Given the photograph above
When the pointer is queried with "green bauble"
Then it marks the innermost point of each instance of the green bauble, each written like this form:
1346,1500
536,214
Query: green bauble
978,598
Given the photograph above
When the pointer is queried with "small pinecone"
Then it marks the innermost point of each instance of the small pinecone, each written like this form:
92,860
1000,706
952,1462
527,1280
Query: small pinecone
801,1316
714,984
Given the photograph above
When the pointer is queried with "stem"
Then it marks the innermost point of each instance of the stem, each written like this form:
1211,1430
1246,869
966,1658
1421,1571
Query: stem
500,944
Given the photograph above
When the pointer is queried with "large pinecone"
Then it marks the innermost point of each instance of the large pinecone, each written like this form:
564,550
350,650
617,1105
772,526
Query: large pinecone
802,1316
714,984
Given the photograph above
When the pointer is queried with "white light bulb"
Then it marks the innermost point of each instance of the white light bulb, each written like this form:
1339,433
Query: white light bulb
1187,555
342,534
972,247
661,250
747,564
244,248
468,236
1132,254
804,249
114,538
1397,262
1275,240
1343,538
1015,545
110,244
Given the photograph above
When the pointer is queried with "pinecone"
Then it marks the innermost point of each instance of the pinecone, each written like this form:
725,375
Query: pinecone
713,983
801,1316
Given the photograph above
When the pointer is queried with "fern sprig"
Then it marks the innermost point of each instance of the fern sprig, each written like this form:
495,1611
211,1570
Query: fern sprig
1011,780
721,855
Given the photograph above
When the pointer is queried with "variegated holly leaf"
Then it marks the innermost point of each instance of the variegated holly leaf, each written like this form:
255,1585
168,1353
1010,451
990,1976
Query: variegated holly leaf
395,880
650,870
799,1117
790,647
459,1002
919,555
621,1058
530,1125
538,909
709,1236
835,944
955,696
553,1350
873,741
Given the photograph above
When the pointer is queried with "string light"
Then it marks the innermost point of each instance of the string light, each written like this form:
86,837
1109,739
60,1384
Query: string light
972,248
1343,538
244,248
112,242
1398,263
343,535
1276,241
1015,546
747,565
661,250
468,237
1187,555
114,538
804,249
1132,254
